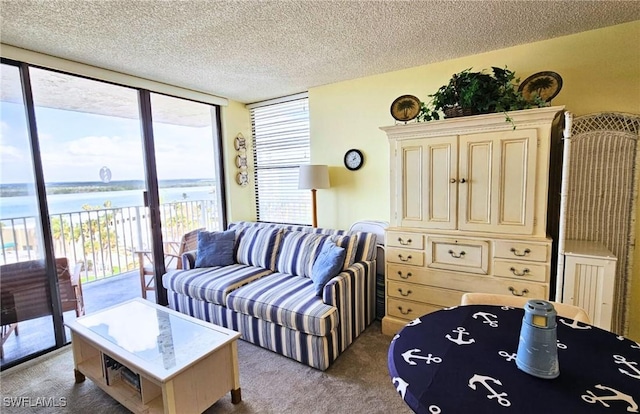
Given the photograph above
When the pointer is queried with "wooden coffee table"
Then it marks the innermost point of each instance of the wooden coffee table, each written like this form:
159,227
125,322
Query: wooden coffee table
153,359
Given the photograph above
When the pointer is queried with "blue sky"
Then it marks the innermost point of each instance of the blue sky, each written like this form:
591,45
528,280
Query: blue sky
76,145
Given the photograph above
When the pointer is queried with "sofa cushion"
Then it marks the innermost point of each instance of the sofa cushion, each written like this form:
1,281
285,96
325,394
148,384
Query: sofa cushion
365,242
215,248
349,242
212,284
299,251
327,265
365,246
257,246
286,300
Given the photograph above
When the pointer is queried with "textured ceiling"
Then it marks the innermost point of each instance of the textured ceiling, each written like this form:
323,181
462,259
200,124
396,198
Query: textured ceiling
255,50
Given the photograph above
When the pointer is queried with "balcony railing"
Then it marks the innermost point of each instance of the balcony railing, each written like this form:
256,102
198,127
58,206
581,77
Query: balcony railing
104,240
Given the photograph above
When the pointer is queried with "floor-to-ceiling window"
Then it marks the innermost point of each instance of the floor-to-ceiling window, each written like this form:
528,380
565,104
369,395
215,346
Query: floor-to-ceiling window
91,148
24,287
96,155
186,153
280,145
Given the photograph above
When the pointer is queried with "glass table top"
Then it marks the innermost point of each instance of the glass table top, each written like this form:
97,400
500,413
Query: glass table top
159,337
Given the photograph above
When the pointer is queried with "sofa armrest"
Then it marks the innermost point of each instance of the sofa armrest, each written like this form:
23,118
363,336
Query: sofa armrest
189,260
353,293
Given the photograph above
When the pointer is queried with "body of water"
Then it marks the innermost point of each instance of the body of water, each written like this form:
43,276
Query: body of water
26,206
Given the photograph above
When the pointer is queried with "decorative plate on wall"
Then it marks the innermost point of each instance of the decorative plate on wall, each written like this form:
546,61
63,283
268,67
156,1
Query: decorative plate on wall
405,108
544,84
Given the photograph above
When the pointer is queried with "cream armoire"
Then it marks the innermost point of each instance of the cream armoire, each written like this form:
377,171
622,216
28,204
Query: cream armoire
468,211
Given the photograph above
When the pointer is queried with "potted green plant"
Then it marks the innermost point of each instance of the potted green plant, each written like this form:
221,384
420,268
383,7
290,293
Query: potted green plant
470,93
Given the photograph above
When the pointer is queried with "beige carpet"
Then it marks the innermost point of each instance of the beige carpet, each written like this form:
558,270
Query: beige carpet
357,382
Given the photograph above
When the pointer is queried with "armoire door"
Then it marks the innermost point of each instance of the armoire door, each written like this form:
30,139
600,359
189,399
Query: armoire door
497,182
427,183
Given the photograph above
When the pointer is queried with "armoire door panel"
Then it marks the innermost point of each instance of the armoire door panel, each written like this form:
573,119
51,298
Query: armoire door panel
499,170
475,183
515,183
441,168
412,184
427,182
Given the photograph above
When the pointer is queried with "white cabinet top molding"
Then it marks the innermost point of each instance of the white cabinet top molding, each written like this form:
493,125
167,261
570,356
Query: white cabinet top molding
475,123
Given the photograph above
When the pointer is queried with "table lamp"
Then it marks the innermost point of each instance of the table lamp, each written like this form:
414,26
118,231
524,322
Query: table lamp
313,177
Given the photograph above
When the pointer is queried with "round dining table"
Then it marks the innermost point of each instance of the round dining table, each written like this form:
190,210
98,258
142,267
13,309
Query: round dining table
463,360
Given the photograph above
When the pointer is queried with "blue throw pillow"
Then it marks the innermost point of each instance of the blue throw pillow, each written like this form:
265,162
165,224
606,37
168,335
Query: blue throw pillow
215,248
327,265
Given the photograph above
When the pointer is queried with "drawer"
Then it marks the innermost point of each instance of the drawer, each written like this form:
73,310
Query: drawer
406,274
465,282
405,256
470,256
530,290
405,240
521,250
521,270
409,310
424,294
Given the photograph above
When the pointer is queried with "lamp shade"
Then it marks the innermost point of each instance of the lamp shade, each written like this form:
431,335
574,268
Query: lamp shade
313,177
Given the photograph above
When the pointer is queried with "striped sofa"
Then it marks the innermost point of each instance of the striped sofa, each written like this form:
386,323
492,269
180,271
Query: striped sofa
268,297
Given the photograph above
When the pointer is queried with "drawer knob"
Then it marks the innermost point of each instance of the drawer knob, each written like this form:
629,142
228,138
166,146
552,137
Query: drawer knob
404,294
403,312
523,273
462,180
453,180
516,253
514,292
403,276
457,256
404,243
402,259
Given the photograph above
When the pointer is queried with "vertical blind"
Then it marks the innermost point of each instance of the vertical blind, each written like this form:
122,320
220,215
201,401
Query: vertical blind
280,145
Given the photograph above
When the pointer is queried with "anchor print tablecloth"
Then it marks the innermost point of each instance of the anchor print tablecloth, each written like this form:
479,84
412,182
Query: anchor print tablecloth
462,360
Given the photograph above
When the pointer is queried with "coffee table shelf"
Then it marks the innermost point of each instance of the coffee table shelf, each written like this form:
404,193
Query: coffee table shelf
135,401
181,364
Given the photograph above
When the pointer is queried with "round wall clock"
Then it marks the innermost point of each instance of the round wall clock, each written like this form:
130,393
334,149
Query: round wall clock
405,108
353,159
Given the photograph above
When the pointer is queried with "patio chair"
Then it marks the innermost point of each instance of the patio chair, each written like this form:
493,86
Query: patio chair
563,309
25,294
70,286
172,259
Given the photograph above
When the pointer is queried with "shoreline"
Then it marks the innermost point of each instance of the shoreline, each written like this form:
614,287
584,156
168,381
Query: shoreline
25,189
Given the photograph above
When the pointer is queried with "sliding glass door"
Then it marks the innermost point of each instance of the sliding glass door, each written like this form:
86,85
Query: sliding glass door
185,136
24,283
77,232
92,156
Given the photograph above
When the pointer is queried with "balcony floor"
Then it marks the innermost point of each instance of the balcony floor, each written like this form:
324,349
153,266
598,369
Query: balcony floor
37,334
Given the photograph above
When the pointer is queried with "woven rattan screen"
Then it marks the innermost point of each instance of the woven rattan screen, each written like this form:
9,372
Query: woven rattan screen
603,177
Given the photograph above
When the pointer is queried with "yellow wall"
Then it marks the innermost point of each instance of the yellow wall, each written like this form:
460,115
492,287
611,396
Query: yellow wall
240,200
600,69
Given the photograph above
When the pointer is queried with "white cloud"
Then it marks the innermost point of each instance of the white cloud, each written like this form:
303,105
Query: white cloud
185,155
178,155
15,166
9,153
81,159
44,136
